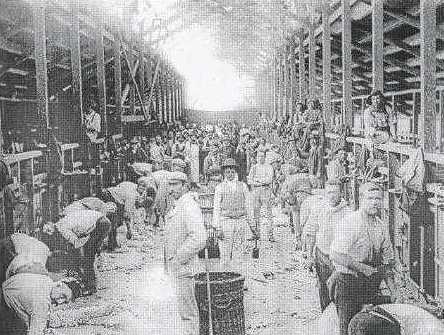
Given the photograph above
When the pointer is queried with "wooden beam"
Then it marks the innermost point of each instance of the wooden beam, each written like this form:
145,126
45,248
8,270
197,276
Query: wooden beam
326,64
311,61
76,61
118,80
101,79
378,44
428,74
302,81
41,61
273,73
347,64
285,83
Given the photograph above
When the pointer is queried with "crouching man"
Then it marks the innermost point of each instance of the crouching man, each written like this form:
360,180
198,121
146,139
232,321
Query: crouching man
128,196
185,236
80,234
27,289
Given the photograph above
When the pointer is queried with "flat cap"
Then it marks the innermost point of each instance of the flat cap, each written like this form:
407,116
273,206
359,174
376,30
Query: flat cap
174,177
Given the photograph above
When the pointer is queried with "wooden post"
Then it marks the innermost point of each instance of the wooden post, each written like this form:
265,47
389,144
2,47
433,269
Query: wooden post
428,73
311,61
101,84
378,44
41,69
76,62
291,75
302,81
118,80
278,86
347,107
273,86
441,121
326,63
285,81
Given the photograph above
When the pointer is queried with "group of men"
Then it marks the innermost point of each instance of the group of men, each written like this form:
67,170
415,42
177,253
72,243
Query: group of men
247,169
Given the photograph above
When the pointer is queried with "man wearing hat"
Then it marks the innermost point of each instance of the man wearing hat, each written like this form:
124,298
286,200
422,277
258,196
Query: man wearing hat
185,236
232,215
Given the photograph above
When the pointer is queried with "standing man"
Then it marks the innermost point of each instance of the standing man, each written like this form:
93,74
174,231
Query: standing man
232,213
319,232
93,128
260,179
185,235
362,254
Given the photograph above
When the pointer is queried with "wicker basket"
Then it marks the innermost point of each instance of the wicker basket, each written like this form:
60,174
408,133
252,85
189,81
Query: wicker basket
227,303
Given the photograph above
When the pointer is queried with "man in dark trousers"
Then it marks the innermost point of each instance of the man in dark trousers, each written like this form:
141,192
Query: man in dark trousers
80,234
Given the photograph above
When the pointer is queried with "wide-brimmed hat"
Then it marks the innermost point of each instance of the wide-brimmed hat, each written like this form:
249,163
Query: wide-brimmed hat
214,170
229,163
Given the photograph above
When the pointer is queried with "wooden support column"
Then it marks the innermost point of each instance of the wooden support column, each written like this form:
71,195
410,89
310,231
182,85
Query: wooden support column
302,81
291,80
118,80
326,64
174,100
101,83
347,111
165,96
275,87
162,93
428,74
41,69
311,61
286,81
76,62
378,44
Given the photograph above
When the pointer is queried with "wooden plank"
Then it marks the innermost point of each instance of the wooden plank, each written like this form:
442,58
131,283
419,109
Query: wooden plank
273,80
347,64
378,44
101,84
428,74
118,79
311,62
326,64
76,61
285,83
441,122
302,81
41,61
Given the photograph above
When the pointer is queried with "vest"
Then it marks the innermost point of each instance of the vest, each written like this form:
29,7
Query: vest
233,202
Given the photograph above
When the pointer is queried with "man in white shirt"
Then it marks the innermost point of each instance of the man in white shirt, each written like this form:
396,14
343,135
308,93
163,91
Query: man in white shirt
232,215
362,254
27,290
319,231
185,236
260,179
92,122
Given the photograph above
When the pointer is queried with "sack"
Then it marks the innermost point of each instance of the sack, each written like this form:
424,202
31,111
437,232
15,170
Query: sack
413,172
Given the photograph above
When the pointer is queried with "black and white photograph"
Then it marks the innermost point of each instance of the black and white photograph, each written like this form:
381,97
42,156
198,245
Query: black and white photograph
221,167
